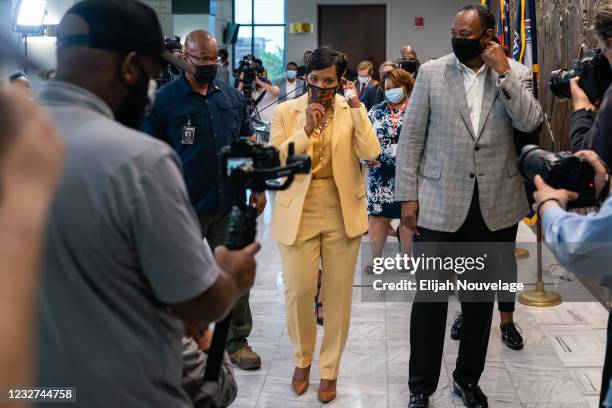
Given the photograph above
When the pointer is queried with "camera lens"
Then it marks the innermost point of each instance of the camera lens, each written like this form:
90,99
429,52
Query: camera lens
560,83
531,162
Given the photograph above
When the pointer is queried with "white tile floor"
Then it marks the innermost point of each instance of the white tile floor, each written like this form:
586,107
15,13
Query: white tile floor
560,366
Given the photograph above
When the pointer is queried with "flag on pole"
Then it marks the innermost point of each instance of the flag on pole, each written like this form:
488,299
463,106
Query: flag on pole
503,25
525,45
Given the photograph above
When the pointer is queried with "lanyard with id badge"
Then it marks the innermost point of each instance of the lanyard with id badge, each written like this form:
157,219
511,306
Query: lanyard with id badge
396,119
188,132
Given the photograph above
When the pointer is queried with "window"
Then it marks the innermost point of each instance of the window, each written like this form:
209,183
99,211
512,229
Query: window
262,33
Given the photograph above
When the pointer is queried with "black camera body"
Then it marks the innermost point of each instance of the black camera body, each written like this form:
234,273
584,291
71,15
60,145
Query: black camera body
594,72
560,170
254,166
250,69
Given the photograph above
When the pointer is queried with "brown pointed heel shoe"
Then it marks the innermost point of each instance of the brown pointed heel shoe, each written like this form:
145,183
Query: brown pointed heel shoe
327,391
300,380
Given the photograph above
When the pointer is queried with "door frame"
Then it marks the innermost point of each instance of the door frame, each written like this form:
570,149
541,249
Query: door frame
387,3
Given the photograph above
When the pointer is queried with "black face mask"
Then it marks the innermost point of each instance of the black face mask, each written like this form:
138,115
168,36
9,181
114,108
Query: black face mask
467,49
323,96
133,109
205,74
410,66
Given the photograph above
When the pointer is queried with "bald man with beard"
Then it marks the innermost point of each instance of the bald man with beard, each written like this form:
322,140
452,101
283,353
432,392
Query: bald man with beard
198,115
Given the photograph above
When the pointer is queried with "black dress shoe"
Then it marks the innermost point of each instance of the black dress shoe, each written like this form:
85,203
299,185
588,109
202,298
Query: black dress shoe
457,327
418,400
472,395
511,336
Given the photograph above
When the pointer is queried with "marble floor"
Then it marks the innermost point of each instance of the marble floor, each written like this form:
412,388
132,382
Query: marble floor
560,366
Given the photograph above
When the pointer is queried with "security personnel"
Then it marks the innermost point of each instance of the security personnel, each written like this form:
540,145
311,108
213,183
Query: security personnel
198,116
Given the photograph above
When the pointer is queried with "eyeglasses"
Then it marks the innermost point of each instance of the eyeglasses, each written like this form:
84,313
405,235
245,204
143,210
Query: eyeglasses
204,60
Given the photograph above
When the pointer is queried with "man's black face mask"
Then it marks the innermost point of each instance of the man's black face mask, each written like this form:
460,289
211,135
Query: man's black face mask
466,49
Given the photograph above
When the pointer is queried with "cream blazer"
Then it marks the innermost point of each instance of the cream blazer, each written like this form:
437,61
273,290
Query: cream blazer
353,138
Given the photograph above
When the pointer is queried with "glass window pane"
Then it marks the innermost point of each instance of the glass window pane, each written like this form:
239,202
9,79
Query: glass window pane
243,10
269,11
269,43
243,45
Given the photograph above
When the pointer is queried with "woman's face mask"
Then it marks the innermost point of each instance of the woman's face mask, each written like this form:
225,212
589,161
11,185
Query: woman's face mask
323,96
395,95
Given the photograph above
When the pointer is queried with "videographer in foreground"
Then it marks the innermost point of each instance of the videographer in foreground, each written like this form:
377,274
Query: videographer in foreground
591,129
197,116
567,230
124,262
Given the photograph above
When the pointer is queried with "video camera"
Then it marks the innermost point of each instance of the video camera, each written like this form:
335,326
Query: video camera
594,72
171,72
250,68
560,170
254,166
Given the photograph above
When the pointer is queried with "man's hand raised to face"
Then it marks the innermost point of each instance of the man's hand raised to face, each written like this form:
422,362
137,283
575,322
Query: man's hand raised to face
495,58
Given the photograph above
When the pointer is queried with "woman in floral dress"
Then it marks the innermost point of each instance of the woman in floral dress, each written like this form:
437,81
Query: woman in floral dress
387,118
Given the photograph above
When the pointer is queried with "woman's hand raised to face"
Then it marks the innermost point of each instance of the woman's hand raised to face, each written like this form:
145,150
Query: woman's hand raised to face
314,114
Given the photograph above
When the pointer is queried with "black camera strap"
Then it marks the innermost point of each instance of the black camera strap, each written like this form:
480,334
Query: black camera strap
260,97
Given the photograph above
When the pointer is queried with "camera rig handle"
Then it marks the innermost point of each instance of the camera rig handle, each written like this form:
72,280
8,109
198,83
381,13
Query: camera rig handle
242,231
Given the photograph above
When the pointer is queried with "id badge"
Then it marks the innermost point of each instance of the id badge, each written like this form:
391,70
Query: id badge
188,134
393,149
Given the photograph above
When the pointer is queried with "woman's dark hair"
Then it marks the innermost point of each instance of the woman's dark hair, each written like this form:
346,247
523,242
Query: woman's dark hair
401,78
324,57
603,20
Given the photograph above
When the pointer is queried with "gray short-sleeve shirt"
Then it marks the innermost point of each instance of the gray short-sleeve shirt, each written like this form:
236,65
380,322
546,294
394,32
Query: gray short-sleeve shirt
122,243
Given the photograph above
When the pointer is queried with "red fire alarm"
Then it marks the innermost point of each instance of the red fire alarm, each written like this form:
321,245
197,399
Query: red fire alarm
419,22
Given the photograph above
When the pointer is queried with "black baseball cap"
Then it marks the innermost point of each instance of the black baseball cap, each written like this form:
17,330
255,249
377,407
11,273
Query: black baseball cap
122,26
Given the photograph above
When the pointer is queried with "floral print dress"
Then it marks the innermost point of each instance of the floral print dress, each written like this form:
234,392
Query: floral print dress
381,178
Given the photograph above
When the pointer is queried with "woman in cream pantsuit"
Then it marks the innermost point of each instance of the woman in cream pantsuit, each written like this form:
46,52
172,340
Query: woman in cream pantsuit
320,219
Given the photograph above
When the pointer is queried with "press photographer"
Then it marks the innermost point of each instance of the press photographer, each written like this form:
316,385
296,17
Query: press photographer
260,94
571,235
587,83
198,116
170,72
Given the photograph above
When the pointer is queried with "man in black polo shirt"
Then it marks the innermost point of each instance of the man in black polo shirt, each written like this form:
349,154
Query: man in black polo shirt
198,115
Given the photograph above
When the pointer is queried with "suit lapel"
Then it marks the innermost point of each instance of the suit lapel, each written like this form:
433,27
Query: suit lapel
490,94
455,82
300,116
340,106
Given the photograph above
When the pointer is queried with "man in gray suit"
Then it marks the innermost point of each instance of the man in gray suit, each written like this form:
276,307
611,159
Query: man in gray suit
291,86
458,181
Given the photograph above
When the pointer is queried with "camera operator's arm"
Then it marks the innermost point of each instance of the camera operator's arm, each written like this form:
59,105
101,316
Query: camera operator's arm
516,89
272,89
589,130
410,150
31,158
178,265
570,229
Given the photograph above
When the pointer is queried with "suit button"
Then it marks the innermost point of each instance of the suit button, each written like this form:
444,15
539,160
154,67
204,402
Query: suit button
472,175
477,148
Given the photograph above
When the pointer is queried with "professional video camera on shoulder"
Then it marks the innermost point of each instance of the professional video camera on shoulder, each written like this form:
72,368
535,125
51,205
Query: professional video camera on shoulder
248,68
173,45
594,72
562,170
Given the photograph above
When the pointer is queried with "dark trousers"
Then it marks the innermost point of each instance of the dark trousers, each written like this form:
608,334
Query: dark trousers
428,319
214,228
607,368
